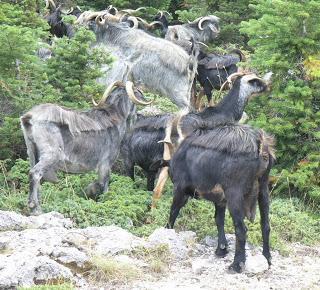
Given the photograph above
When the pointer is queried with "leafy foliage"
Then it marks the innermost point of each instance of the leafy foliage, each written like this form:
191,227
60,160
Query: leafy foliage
127,204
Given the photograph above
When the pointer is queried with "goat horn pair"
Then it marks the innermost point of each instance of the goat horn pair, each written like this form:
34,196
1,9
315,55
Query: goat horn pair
50,2
87,15
132,11
131,95
107,93
207,18
134,21
231,78
164,12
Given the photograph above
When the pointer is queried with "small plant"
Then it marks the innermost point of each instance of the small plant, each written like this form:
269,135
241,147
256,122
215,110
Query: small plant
63,286
157,257
109,270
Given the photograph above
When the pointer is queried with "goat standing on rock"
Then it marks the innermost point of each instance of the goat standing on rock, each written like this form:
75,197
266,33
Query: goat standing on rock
228,164
60,138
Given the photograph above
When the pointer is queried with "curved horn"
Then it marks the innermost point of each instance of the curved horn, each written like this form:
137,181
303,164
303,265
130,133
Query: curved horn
111,18
100,20
131,95
155,23
70,10
108,91
94,102
203,19
50,2
231,78
134,20
111,8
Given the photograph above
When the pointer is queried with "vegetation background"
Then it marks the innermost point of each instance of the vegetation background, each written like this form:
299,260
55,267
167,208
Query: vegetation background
277,35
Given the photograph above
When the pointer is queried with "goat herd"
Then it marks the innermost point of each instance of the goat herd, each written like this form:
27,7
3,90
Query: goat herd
207,153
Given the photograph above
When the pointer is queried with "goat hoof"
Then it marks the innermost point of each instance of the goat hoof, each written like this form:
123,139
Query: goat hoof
36,211
221,253
237,267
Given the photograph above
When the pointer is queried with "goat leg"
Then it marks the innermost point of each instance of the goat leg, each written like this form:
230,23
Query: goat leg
237,214
263,200
222,248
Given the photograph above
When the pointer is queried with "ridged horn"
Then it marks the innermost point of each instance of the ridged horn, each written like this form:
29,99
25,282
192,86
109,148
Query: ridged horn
108,91
134,20
131,95
203,19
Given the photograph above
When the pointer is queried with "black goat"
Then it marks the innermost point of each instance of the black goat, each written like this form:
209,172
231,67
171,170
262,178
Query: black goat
54,18
141,145
228,165
213,69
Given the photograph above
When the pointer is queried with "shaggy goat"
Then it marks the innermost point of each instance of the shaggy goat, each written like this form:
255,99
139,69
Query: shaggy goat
155,63
214,69
141,145
228,165
54,19
60,138
203,29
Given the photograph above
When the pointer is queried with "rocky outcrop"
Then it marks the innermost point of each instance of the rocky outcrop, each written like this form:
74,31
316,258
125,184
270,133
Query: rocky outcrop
48,249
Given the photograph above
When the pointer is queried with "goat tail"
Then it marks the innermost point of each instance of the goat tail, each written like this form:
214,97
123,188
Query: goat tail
193,65
26,126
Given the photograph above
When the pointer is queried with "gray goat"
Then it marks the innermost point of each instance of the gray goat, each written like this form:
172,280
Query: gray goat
203,29
60,138
154,63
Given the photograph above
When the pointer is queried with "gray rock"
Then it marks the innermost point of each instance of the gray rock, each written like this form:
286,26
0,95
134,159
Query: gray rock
180,244
67,255
199,265
11,221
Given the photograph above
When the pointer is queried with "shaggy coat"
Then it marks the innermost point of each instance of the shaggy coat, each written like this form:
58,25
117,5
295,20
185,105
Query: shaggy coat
229,166
154,63
60,138
141,147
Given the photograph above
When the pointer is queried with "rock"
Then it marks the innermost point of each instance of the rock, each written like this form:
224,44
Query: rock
25,270
179,244
209,241
112,239
67,255
49,220
256,263
11,221
199,265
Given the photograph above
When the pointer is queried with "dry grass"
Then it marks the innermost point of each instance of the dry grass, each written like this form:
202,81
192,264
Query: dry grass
109,270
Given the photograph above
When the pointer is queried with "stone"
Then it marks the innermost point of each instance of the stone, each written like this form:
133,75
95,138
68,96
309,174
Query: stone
199,265
179,244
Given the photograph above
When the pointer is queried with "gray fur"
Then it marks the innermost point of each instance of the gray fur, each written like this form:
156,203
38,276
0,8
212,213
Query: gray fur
182,34
59,138
156,64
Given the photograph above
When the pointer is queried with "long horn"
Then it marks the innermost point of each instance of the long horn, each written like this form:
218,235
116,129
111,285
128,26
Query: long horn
100,20
202,20
231,78
108,92
70,10
134,20
112,18
131,95
155,23
50,2
110,8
